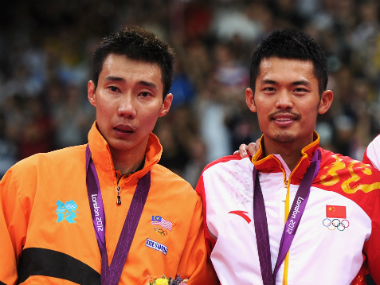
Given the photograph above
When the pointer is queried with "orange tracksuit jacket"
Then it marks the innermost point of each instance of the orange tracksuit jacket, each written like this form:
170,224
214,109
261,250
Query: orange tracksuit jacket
46,230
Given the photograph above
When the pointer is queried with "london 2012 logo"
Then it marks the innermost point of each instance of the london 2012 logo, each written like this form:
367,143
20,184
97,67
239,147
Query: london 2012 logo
336,218
66,211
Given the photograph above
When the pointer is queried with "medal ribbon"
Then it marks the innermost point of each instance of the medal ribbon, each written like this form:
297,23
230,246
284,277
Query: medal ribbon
110,275
291,225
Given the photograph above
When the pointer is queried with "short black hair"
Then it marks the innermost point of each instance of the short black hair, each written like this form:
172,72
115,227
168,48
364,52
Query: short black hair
290,44
136,44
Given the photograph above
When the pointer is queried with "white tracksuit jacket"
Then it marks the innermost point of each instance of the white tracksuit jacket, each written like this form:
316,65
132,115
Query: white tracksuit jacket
345,190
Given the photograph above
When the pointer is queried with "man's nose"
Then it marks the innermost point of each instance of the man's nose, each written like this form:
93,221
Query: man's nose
127,107
284,100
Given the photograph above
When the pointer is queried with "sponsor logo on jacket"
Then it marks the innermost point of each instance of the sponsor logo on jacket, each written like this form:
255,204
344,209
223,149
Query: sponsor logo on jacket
157,246
242,214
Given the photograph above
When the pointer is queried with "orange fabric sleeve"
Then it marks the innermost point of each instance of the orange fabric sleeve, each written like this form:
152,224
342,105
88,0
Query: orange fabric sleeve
13,226
194,261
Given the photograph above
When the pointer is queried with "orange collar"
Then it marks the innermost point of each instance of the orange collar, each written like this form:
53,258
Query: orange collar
272,163
102,157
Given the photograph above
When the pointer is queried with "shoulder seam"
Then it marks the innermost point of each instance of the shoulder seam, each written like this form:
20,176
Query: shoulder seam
222,159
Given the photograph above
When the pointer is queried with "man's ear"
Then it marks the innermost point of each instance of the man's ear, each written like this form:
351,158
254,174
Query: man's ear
250,99
91,92
166,105
325,102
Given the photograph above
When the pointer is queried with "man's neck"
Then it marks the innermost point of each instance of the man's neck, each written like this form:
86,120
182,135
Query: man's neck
128,161
290,152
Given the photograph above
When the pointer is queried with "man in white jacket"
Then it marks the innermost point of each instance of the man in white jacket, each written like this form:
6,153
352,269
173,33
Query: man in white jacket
295,213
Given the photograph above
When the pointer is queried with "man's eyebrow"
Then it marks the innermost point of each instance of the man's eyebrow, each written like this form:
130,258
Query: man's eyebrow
148,84
301,82
267,81
142,82
114,78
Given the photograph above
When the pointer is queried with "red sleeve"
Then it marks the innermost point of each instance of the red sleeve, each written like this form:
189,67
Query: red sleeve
372,246
366,160
210,241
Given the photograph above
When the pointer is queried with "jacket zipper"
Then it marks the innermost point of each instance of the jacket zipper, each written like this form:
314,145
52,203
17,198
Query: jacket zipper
286,261
118,199
284,193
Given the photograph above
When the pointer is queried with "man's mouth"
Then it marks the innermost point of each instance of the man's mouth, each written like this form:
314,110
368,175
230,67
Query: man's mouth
284,119
124,129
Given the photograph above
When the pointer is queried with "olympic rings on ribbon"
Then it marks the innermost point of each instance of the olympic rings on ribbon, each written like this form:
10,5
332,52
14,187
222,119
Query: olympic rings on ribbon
336,224
160,231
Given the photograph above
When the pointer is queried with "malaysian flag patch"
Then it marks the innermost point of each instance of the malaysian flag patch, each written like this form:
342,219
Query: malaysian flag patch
157,220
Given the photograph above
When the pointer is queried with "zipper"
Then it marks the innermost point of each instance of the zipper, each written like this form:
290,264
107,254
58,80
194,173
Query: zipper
285,191
118,199
286,261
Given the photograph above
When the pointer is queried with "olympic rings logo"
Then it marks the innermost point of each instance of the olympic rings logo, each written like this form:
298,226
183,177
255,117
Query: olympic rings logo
336,224
161,231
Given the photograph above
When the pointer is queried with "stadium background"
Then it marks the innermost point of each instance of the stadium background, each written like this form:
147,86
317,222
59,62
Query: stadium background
45,57
45,61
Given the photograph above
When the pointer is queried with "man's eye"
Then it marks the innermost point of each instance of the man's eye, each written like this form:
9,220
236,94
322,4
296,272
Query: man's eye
113,88
144,94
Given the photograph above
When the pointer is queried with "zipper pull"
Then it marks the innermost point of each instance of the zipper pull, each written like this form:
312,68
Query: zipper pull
118,201
285,191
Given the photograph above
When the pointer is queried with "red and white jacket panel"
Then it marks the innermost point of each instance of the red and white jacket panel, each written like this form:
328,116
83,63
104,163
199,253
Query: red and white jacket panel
339,229
372,153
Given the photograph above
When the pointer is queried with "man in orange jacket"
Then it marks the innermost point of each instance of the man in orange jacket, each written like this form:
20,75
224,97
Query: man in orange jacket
106,212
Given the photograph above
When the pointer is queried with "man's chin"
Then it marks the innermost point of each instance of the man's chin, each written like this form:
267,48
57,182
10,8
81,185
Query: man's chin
284,138
120,145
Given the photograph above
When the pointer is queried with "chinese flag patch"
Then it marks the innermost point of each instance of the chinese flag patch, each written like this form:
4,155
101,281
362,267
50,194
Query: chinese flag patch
333,211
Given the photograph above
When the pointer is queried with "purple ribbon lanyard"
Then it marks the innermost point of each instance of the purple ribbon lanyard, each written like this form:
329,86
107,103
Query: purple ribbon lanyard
294,218
110,275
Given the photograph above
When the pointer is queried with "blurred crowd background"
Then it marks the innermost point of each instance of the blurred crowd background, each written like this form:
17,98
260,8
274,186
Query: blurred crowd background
46,50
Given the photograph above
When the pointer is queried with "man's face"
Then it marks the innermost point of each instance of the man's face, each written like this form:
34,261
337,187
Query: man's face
287,101
128,101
